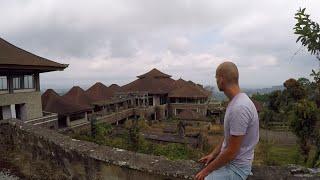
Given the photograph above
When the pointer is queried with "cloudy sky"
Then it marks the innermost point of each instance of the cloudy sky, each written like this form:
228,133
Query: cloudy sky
114,41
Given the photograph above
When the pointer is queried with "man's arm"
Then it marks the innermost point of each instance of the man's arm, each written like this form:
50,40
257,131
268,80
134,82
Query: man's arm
217,149
224,157
211,156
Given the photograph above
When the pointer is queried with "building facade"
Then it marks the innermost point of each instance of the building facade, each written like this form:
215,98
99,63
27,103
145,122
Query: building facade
20,95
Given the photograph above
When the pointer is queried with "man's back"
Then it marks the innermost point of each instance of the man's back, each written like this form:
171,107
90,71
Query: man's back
242,119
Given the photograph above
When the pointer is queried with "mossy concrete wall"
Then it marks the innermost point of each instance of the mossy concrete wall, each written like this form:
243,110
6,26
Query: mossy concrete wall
40,153
47,154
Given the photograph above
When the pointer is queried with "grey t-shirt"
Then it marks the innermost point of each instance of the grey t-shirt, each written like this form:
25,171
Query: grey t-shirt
241,118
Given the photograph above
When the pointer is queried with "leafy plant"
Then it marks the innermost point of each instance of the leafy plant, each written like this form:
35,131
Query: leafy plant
308,31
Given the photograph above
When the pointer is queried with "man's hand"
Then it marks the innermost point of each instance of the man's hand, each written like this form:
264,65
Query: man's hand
202,174
207,159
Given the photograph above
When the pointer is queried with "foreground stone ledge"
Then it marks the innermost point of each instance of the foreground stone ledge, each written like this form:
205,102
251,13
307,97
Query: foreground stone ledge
70,158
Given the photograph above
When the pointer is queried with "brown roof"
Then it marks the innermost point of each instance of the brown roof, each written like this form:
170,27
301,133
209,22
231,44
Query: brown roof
77,95
99,92
114,87
154,73
154,82
47,96
151,85
201,88
188,114
112,100
157,82
12,57
183,88
52,102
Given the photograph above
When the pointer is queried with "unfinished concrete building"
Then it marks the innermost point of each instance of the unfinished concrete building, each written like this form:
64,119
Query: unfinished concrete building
169,97
20,96
153,96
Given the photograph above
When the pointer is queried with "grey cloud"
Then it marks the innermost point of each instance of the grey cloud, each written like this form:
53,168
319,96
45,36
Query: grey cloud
112,31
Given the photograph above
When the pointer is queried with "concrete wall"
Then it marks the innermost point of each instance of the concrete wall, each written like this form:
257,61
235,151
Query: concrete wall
48,120
202,108
156,100
6,112
32,100
50,155
78,121
160,111
40,153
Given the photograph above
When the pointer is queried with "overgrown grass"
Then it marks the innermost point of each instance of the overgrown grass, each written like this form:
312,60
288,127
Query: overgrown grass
172,151
268,153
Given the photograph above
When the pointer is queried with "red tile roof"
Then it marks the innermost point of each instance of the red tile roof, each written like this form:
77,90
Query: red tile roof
48,96
52,102
154,82
157,82
154,73
151,85
114,87
184,88
77,95
99,92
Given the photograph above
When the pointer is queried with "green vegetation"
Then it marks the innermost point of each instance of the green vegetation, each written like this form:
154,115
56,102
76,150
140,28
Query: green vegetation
298,107
260,97
308,31
131,139
268,153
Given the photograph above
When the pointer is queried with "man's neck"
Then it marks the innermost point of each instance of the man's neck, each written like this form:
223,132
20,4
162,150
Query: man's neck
232,91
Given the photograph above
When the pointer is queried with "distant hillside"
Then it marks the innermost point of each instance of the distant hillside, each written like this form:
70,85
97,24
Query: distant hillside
263,90
219,96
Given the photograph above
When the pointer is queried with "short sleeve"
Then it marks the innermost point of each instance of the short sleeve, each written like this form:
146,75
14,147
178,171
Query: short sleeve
239,120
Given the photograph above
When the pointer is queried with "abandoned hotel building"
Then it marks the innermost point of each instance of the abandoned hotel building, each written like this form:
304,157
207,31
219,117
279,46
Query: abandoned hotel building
152,96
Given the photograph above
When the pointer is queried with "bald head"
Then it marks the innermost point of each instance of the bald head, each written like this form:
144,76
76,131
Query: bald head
228,71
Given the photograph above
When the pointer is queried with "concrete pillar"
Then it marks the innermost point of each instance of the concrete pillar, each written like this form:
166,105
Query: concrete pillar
36,81
6,112
10,83
68,121
86,116
13,111
117,108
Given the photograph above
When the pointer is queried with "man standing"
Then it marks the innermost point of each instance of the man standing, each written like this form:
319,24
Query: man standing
232,158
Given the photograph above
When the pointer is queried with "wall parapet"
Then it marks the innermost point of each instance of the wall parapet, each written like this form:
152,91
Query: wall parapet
65,152
69,158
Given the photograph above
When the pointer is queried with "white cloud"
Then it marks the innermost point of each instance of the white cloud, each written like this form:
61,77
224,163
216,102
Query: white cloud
113,41
180,45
